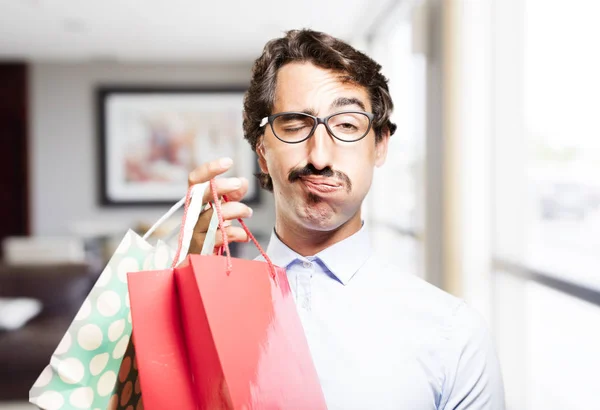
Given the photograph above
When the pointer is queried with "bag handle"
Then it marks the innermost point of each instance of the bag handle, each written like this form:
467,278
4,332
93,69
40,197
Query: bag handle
194,188
217,202
185,234
192,204
191,212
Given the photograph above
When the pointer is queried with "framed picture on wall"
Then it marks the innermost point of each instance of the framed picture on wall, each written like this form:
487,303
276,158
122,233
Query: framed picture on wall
151,138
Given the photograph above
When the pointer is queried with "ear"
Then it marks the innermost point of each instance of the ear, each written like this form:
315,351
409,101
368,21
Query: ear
381,148
260,152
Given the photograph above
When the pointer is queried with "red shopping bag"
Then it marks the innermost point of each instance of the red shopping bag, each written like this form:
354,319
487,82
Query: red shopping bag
161,352
162,361
246,346
234,338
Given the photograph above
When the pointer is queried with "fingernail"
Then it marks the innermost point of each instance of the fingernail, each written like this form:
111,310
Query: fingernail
236,183
225,162
194,176
250,212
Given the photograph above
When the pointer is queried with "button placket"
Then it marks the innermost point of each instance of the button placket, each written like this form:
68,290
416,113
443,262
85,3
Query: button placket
305,284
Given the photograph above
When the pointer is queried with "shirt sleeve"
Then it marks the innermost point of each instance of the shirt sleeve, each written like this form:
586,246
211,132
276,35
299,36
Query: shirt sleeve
473,379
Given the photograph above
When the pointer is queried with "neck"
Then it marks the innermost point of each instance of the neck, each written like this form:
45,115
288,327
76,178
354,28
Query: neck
309,242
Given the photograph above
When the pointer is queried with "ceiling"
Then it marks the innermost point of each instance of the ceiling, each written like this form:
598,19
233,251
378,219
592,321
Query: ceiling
173,30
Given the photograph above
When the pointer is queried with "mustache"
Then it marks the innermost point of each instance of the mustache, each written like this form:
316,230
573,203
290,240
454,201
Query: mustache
309,169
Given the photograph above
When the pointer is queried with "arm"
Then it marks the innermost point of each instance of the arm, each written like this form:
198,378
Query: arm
473,378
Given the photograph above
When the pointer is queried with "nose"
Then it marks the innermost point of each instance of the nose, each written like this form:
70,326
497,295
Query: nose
320,148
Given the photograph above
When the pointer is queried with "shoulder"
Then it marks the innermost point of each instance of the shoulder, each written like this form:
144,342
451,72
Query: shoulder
423,299
458,338
449,317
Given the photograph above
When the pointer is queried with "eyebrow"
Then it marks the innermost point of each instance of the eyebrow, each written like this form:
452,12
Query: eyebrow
339,103
345,101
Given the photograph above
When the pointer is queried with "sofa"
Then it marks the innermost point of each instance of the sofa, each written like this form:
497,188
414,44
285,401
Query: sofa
24,352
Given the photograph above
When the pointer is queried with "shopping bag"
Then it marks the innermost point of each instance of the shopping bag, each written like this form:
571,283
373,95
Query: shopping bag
243,343
94,365
246,345
160,347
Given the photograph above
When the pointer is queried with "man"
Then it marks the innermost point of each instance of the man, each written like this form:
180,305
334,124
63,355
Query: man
317,113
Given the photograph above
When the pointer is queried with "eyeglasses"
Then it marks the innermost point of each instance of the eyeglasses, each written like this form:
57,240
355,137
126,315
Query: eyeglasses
296,127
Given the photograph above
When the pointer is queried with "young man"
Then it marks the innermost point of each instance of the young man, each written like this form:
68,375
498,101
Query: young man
317,113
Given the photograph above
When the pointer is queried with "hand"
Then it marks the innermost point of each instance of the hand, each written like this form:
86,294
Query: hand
234,188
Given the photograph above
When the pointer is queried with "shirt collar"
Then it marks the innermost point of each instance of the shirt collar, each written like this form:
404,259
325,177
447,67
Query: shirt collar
335,258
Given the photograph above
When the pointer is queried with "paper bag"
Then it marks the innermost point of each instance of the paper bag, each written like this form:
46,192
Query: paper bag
94,366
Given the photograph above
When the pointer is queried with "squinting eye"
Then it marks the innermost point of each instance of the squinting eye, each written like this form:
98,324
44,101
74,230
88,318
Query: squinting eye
294,129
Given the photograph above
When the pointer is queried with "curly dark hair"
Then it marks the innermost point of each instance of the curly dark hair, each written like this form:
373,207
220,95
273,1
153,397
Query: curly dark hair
323,51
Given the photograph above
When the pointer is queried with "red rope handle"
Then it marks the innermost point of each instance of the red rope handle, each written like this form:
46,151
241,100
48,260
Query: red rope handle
260,249
224,234
225,245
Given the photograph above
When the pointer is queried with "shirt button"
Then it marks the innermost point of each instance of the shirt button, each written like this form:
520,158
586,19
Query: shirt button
307,265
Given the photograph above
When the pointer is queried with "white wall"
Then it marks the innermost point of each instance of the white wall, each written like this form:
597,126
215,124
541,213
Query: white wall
63,147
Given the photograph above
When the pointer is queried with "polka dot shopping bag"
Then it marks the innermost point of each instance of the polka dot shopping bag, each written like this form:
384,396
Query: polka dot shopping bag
94,365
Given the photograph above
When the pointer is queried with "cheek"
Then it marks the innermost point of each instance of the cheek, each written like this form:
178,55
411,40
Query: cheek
281,159
356,158
361,180
358,164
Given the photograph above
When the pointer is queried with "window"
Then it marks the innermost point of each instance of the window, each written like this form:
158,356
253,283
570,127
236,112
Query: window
395,203
562,129
546,212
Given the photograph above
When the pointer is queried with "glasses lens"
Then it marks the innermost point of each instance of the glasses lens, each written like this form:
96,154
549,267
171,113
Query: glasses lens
293,127
349,126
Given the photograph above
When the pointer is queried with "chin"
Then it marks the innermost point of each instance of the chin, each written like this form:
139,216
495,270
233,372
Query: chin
320,217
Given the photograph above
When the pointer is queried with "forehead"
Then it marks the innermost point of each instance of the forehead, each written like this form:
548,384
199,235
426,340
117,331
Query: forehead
302,86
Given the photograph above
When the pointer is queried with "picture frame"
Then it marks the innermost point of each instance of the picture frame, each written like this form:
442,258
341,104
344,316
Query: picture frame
151,138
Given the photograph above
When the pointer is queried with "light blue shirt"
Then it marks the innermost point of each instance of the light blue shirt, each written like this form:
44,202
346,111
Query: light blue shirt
383,339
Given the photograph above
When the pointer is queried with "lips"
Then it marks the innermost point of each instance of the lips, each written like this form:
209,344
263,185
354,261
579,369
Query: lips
321,185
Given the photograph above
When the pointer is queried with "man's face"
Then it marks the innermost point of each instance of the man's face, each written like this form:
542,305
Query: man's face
319,183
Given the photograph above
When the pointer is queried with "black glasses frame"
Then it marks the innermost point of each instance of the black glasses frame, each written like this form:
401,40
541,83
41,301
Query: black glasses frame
317,120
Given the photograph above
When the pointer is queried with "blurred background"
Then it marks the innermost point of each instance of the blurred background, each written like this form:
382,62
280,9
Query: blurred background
491,190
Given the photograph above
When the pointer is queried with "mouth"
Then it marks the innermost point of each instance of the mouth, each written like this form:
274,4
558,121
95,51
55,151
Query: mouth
321,185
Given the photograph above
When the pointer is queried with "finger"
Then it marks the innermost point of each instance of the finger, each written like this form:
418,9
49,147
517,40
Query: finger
234,234
229,211
238,194
209,170
227,186
235,210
